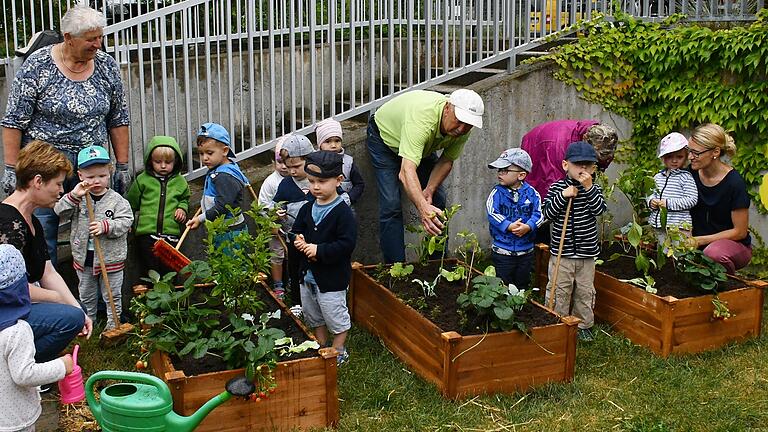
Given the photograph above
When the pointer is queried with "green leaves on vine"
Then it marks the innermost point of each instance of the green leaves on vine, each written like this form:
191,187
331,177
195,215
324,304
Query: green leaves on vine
670,76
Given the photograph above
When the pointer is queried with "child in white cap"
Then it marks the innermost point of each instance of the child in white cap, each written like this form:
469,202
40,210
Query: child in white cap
514,215
328,134
266,193
675,188
19,374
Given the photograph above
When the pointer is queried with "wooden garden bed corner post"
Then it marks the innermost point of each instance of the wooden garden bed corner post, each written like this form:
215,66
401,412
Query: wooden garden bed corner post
332,404
759,305
450,365
570,346
351,301
668,325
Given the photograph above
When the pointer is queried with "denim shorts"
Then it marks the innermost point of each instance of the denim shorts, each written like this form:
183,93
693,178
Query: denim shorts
325,309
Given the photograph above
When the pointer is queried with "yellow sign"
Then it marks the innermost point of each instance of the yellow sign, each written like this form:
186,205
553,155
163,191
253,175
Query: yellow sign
764,191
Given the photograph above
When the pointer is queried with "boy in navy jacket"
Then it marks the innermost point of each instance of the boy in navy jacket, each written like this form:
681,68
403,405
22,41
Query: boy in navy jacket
514,215
326,234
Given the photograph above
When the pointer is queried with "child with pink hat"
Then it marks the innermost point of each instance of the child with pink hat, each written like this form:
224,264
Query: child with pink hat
328,133
675,189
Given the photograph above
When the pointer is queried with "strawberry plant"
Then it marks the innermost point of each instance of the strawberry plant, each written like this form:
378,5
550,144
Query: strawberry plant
492,299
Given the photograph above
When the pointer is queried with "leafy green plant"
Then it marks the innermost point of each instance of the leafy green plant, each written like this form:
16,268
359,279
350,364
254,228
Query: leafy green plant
498,302
237,262
428,287
399,271
634,235
468,251
430,244
459,273
667,76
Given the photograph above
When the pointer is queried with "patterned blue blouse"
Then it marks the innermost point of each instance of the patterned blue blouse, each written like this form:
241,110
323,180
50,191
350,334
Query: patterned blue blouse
46,105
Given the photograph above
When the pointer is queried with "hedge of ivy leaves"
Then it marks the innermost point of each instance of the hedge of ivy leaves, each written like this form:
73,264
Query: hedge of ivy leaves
672,76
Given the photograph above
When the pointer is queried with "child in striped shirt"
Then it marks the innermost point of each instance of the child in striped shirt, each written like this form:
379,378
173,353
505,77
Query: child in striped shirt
675,188
581,244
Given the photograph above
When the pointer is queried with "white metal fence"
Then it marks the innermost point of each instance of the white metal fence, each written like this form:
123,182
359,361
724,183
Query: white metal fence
264,68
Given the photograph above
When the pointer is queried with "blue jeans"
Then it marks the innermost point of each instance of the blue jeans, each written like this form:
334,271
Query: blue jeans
387,163
48,218
54,326
514,269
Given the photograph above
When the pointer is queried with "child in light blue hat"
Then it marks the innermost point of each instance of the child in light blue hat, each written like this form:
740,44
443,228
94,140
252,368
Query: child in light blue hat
19,374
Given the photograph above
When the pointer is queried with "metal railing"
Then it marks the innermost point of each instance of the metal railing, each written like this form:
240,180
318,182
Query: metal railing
264,68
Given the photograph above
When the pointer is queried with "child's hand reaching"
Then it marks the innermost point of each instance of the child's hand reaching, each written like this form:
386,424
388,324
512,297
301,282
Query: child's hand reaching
180,216
519,228
570,192
193,223
69,364
80,189
96,228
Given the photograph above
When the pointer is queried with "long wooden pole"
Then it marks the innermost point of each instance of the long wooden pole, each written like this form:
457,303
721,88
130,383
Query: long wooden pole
553,282
100,255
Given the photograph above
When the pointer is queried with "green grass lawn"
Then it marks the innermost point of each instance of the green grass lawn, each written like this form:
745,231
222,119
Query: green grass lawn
617,387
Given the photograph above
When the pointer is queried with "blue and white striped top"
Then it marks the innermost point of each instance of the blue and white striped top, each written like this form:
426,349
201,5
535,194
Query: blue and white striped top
678,188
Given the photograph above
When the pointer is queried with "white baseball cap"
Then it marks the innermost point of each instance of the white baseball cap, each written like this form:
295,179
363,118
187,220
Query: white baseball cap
672,143
468,106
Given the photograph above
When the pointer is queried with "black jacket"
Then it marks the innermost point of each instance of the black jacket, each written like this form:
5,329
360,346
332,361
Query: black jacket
335,237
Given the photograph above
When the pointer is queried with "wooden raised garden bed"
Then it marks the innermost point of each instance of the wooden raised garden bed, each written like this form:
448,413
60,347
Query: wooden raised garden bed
669,325
503,362
306,395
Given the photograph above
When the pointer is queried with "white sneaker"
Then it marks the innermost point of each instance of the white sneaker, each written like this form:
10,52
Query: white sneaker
296,310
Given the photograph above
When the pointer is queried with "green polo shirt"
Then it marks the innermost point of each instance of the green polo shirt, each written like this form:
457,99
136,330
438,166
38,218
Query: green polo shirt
410,125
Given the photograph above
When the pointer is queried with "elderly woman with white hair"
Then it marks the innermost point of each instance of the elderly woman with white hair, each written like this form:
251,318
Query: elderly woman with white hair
69,95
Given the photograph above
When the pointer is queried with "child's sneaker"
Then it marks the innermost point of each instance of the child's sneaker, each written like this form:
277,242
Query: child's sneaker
296,310
342,358
279,290
585,335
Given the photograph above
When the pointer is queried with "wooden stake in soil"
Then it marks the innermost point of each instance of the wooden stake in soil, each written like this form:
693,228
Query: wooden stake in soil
551,302
121,330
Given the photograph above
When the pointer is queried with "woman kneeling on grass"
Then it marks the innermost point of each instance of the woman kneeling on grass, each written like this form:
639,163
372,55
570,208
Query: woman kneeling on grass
721,216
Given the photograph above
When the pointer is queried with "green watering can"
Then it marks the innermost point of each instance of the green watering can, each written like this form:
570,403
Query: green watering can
145,403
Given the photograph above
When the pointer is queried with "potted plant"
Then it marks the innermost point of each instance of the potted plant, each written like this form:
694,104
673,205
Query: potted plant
224,322
463,330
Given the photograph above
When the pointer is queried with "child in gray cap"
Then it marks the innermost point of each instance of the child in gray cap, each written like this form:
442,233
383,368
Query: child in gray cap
514,215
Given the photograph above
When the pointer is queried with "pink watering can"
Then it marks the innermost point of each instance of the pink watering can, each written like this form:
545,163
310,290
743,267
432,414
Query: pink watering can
71,387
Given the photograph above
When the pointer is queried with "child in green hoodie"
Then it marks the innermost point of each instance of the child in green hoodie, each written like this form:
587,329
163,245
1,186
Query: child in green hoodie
160,195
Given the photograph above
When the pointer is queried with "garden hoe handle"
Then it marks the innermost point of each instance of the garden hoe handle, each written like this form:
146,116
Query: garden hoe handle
551,303
186,230
100,254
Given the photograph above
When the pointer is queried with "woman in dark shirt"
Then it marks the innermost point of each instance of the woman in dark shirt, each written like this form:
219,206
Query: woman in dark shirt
56,317
721,216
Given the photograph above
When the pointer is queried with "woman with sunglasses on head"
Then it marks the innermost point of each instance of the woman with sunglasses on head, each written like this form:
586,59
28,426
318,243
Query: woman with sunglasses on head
721,216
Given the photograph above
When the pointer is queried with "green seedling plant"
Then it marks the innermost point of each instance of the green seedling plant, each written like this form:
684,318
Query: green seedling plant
459,273
498,302
428,287
468,252
635,244
399,271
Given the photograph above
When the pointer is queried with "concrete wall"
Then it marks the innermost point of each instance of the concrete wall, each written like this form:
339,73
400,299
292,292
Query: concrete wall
513,105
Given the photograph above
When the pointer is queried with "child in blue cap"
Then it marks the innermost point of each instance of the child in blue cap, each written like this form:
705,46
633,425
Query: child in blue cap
581,246
113,219
19,374
224,182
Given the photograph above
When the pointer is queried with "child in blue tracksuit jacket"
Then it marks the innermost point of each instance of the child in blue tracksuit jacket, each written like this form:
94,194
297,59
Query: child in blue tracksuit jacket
514,215
224,182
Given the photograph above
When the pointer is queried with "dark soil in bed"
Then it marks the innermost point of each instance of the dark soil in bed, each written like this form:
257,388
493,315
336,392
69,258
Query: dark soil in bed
668,281
442,308
210,363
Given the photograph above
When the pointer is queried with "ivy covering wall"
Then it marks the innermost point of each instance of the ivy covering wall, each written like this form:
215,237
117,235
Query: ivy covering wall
673,76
